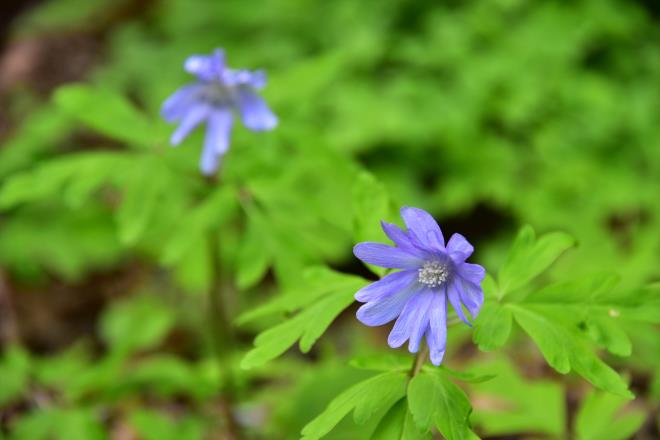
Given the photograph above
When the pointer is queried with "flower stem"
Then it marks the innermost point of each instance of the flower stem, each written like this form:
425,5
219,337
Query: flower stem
222,336
420,359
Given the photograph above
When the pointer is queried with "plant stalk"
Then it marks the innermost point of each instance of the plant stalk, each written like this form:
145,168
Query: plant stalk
420,359
222,336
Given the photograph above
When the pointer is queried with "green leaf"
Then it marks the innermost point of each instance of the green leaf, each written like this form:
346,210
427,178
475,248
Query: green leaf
136,323
564,348
398,424
310,323
212,213
582,292
434,400
529,257
273,342
14,370
382,362
73,177
70,424
253,257
367,399
106,112
510,404
589,366
600,417
146,182
164,375
317,282
370,205
465,376
549,337
492,326
607,332
152,425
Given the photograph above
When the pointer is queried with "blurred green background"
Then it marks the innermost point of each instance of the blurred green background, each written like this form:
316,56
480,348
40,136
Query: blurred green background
488,114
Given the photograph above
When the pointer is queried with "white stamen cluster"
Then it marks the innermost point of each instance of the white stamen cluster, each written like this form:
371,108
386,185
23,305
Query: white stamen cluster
433,274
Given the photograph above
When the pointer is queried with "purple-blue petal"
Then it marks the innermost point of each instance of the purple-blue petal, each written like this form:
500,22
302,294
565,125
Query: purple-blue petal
472,296
193,117
471,272
423,228
255,79
396,234
254,111
218,130
458,248
401,239
209,161
206,67
216,140
386,256
412,322
178,104
384,310
454,294
436,334
386,286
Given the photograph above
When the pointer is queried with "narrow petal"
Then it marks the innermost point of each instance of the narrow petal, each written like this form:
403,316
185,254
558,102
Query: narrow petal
178,104
458,248
386,256
472,272
402,239
412,322
386,286
218,130
256,79
386,309
209,160
423,228
190,121
254,111
454,290
206,67
396,234
436,334
472,295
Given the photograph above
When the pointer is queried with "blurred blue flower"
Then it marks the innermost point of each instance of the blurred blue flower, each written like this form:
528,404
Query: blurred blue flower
218,95
417,295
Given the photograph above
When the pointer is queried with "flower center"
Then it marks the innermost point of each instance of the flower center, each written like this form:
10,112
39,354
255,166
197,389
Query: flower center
218,94
432,274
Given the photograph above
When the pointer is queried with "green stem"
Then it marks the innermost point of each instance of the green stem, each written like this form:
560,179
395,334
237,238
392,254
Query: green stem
420,359
222,336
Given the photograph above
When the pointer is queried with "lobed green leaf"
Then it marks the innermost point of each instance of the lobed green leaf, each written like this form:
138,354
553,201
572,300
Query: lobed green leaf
366,399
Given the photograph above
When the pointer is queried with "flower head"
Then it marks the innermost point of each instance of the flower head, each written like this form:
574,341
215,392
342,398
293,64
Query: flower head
416,296
217,96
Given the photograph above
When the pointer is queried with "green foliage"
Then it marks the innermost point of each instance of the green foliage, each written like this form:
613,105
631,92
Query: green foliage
327,294
510,403
490,115
544,315
529,257
14,367
600,417
398,424
371,398
136,324
75,424
154,426
107,113
434,400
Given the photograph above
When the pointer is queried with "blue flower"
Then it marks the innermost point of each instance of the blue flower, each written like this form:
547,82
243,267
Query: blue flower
431,273
218,95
